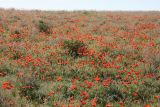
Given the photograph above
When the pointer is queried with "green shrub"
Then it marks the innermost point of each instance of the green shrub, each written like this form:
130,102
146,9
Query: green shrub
70,93
16,32
5,69
16,55
111,93
86,13
43,27
148,90
114,93
17,35
75,48
29,89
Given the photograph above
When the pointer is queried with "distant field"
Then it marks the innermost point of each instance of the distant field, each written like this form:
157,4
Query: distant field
79,59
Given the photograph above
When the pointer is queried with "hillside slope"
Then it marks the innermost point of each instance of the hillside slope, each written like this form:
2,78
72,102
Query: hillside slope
81,58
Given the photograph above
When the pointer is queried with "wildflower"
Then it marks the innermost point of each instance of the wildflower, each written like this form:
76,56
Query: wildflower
97,78
89,84
152,43
147,105
85,95
93,102
136,65
7,85
121,103
51,93
1,30
83,102
73,80
59,78
73,87
108,105
106,82
156,97
71,98
135,94
117,76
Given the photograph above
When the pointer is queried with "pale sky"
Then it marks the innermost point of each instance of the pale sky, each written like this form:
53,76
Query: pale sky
82,4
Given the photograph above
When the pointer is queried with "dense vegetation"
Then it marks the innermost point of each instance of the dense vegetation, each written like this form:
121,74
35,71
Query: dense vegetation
75,59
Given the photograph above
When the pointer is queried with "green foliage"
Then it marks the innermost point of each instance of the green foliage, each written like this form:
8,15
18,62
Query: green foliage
43,27
153,67
148,89
17,36
16,55
117,52
70,93
16,32
86,13
111,93
5,69
114,93
74,48
17,52
13,19
29,89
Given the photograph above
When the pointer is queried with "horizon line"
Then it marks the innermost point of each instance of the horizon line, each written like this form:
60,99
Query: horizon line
123,10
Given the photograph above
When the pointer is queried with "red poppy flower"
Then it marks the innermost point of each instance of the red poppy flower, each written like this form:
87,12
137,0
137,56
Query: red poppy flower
7,85
97,78
147,105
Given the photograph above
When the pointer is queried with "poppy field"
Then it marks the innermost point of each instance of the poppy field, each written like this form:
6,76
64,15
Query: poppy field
79,59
